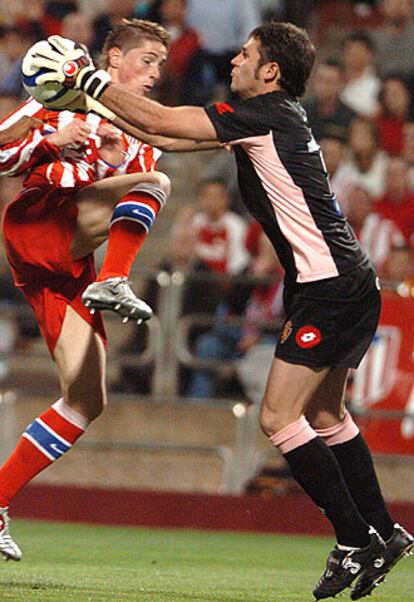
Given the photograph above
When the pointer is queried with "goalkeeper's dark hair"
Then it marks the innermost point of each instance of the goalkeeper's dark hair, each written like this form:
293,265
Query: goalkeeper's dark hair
131,33
290,47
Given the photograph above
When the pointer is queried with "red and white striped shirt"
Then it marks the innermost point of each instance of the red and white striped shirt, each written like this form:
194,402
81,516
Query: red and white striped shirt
40,160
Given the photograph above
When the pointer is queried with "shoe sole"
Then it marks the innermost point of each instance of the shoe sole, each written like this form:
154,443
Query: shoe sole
381,578
94,305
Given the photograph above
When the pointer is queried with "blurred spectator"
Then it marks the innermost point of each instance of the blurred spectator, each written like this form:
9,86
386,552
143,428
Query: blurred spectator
395,110
8,104
366,161
14,42
397,202
177,83
92,8
220,232
328,116
258,305
399,269
361,82
375,233
224,28
55,12
272,10
253,236
394,40
104,22
77,26
342,175
148,9
19,13
222,166
408,151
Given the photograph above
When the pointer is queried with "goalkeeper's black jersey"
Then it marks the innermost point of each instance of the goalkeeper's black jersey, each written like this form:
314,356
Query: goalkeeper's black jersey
284,185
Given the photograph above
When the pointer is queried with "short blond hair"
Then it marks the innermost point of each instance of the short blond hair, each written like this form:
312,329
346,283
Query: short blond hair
131,33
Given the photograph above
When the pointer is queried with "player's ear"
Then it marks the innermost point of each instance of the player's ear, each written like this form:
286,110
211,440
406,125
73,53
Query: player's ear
271,72
114,57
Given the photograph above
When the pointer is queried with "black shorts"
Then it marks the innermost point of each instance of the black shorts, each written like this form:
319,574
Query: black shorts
331,323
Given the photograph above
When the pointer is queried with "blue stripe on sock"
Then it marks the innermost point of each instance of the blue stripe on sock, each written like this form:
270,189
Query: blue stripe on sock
136,212
52,445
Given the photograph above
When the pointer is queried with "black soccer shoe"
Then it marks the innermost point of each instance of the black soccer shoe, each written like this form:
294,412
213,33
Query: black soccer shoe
343,567
400,544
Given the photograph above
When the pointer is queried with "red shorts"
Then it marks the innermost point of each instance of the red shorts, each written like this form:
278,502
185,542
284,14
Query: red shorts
38,228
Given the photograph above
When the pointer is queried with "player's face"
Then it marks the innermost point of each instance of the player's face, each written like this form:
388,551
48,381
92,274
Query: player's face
139,68
245,75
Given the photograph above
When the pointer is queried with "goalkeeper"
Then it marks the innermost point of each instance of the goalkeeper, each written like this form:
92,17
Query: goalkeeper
331,296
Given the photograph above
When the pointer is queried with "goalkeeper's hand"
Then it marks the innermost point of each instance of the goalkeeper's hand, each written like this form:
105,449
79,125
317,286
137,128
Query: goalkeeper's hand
62,60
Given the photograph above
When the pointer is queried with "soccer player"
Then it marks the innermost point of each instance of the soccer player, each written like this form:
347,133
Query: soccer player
332,297
82,175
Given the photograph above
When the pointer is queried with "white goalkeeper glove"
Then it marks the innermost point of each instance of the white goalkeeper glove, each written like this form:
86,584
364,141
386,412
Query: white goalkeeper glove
62,60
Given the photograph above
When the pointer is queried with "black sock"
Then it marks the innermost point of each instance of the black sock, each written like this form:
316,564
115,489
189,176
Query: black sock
358,470
315,468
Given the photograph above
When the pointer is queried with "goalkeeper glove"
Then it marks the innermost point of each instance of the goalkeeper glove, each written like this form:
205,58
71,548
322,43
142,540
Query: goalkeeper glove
62,60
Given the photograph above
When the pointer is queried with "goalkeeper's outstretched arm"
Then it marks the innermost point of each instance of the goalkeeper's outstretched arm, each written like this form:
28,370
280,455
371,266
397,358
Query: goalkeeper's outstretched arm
175,122
164,143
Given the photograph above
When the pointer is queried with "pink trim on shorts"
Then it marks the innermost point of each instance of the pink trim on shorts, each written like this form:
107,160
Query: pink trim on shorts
340,433
294,435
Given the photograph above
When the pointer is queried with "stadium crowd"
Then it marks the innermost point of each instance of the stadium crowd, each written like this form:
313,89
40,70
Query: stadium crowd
360,107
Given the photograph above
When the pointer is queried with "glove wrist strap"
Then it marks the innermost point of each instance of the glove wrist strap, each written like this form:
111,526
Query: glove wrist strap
94,83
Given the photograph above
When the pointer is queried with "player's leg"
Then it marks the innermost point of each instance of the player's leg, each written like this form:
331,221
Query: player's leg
96,204
333,423
327,414
289,390
80,358
121,208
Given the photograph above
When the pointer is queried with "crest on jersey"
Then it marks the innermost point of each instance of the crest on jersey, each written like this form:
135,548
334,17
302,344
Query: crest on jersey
308,336
287,329
223,107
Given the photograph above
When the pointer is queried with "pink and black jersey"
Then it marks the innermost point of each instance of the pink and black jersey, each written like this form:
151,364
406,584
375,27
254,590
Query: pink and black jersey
284,184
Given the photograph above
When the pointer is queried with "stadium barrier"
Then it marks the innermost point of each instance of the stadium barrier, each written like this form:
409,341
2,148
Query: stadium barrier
380,393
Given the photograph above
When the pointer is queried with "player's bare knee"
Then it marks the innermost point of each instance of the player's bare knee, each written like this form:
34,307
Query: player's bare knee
271,420
323,419
277,414
163,181
153,189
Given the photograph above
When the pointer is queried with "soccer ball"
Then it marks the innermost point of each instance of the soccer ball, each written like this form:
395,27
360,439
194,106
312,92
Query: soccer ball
52,95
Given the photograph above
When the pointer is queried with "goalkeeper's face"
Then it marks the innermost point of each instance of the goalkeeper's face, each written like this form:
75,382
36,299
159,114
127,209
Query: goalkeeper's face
138,68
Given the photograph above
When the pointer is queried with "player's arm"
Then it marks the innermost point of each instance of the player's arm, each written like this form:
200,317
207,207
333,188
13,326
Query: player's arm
167,145
176,122
20,129
23,144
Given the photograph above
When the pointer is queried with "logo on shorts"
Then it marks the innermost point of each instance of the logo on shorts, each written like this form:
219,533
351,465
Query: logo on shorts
70,68
287,329
308,337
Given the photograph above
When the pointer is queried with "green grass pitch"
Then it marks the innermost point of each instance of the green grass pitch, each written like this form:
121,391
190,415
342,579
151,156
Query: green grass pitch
78,563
